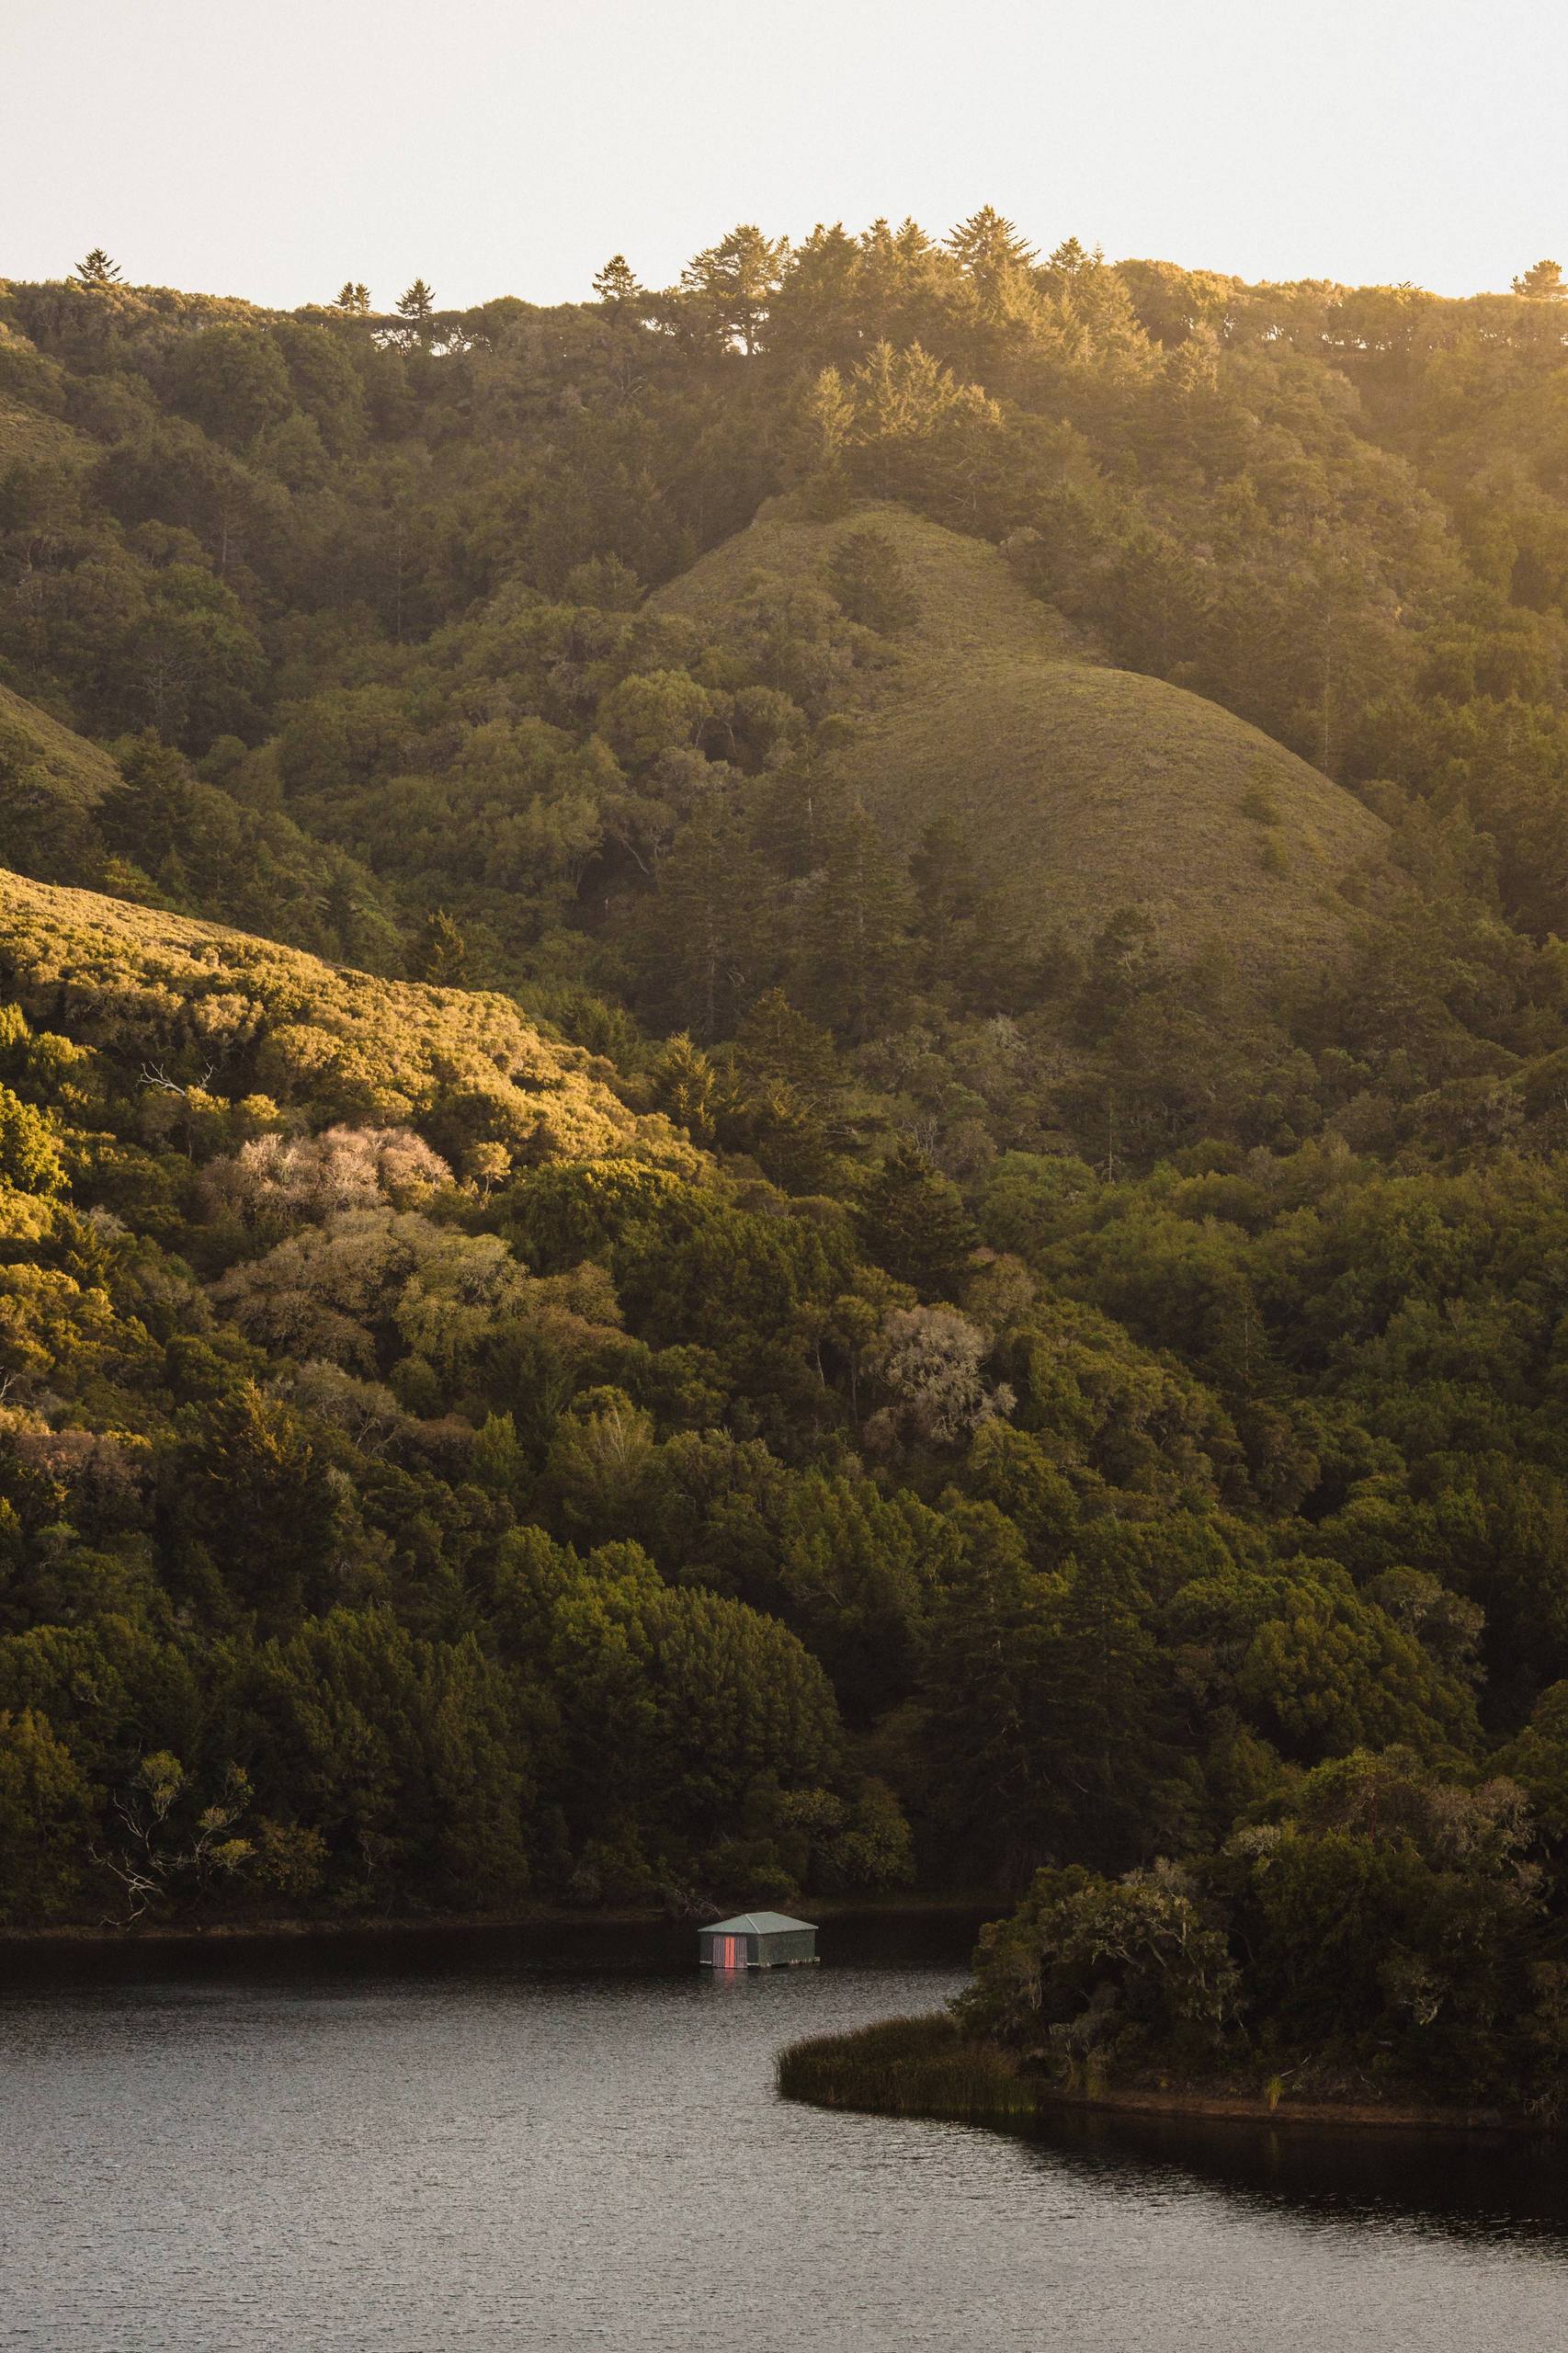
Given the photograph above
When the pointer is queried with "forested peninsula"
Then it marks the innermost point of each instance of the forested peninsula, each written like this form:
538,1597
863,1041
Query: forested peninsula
784,1111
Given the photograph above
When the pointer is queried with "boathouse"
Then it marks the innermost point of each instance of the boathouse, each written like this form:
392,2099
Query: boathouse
757,1940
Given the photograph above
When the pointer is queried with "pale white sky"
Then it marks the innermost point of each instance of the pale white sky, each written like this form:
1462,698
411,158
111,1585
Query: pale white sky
272,148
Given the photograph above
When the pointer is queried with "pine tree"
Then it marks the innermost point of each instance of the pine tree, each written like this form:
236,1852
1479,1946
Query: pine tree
1107,1741
992,1622
708,929
96,270
872,582
986,244
730,286
250,1487
416,304
1072,257
775,1041
915,1224
1542,282
972,944
688,1090
439,953
354,298
821,437
792,1091
855,936
947,888
617,287
153,812
496,1459
1121,964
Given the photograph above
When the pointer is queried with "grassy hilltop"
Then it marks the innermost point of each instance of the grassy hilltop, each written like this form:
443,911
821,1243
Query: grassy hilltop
1083,788
29,738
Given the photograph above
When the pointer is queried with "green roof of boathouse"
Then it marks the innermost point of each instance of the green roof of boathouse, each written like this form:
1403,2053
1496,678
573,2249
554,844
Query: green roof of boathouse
756,1924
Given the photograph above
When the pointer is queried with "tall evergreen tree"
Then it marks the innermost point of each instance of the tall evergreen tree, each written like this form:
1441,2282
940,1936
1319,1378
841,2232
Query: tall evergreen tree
914,1223
706,937
149,819
96,270
416,305
617,287
1106,1735
438,954
728,288
791,1091
1542,282
854,934
987,244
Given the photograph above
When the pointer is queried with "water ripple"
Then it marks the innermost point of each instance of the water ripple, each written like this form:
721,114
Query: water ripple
523,2160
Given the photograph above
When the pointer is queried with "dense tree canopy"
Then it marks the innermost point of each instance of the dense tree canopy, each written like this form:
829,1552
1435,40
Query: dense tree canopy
720,1359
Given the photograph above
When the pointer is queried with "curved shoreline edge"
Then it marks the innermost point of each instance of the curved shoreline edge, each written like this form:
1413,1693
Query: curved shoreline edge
1228,2108
924,2067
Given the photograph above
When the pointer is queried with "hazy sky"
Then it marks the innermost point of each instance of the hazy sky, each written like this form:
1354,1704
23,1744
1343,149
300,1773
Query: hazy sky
272,148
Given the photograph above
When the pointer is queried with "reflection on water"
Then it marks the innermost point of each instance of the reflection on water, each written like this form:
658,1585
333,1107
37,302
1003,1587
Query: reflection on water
458,2145
1496,2187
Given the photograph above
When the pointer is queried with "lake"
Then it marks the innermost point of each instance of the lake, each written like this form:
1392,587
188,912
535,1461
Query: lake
502,2142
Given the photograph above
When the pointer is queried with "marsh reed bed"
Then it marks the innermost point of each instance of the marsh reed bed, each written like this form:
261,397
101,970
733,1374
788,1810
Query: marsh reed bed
905,2066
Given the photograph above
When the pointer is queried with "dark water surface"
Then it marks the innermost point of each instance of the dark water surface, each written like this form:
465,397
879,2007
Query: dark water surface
440,2148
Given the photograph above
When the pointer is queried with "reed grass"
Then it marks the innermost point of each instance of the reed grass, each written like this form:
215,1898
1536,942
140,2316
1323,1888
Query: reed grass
905,2066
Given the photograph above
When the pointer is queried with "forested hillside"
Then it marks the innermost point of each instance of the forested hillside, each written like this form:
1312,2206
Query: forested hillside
784,1106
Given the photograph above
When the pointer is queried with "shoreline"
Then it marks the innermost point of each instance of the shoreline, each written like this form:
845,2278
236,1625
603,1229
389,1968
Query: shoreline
924,2066
525,1919
1253,2109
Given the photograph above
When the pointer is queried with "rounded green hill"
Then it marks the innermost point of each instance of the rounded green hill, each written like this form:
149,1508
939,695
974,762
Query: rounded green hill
1083,788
